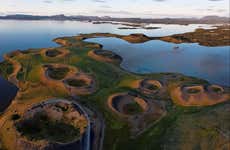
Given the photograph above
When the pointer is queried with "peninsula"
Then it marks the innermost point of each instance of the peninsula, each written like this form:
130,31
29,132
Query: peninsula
77,96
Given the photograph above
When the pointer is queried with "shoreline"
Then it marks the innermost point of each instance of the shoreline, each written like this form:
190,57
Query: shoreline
132,38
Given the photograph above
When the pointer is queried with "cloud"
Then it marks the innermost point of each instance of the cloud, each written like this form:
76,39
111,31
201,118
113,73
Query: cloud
99,1
159,0
105,6
113,12
212,10
215,0
48,1
51,1
122,8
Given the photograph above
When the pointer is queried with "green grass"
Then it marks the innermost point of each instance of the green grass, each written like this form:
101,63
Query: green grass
109,79
6,69
34,74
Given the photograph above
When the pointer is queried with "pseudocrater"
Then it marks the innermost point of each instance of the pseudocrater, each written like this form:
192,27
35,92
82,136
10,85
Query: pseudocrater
138,111
57,73
105,56
55,52
68,78
127,104
51,124
80,83
199,95
148,86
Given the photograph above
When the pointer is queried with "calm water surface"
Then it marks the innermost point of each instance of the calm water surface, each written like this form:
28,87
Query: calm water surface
210,63
153,56
38,34
7,92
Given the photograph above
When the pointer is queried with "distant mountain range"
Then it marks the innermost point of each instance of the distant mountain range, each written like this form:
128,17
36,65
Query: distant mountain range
204,20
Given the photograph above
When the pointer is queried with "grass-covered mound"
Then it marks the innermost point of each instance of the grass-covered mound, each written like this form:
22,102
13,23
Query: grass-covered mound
149,87
6,68
127,104
105,56
199,95
104,53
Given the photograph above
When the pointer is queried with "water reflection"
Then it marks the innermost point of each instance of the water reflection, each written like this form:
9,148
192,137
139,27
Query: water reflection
210,63
37,34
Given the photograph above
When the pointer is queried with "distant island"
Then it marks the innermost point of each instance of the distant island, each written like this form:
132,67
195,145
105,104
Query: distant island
183,21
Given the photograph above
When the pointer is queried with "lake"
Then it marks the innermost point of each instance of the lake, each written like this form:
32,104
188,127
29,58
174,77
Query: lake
7,92
38,34
210,63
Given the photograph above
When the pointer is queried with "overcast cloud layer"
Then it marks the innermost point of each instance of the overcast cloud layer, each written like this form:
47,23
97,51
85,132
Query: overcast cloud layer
118,8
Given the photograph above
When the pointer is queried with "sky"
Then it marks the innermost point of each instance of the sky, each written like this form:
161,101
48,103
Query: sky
118,8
